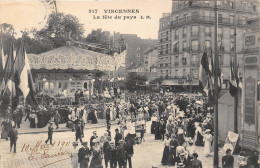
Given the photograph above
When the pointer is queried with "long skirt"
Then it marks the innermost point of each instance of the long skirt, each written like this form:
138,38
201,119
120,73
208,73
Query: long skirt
172,157
199,141
153,127
165,158
207,147
32,124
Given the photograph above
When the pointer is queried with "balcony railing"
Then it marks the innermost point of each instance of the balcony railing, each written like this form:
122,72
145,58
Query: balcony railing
206,19
251,51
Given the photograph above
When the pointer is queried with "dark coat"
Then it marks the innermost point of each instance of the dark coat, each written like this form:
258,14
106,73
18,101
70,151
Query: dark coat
13,134
82,153
50,130
91,140
117,138
120,154
129,150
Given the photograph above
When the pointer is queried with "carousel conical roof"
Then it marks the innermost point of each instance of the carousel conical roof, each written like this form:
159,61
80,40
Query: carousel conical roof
71,57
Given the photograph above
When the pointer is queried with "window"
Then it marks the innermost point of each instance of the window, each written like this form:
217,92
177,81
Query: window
195,30
184,33
231,18
206,2
59,84
176,33
176,72
219,17
185,16
177,19
231,4
232,32
195,45
184,45
46,86
184,72
166,49
207,44
207,31
138,48
244,30
220,32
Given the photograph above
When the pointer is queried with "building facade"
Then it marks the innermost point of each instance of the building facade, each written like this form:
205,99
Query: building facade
250,114
189,29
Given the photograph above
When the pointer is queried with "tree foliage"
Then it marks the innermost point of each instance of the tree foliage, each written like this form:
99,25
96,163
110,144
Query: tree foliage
133,80
57,27
100,37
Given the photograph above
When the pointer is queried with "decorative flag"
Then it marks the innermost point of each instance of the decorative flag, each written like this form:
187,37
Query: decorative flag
23,81
204,70
2,60
234,81
8,88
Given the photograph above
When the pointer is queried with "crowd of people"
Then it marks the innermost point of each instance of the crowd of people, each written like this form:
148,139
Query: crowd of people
179,120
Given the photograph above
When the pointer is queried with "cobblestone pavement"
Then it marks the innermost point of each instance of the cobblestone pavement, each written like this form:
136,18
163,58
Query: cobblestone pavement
33,153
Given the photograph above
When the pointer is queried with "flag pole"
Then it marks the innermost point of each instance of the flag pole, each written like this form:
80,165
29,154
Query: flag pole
235,70
216,69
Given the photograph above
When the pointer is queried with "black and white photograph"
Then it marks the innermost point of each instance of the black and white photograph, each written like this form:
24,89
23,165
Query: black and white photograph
129,84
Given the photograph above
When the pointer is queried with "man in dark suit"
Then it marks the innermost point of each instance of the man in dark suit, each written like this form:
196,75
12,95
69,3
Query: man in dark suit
228,160
118,137
83,155
79,131
120,155
50,133
13,134
94,136
129,151
108,115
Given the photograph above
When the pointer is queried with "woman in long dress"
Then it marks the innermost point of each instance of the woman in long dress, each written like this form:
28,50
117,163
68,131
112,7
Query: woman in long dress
166,151
207,140
198,136
154,119
96,161
74,155
33,120
5,129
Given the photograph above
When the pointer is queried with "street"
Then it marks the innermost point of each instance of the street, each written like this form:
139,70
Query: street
32,151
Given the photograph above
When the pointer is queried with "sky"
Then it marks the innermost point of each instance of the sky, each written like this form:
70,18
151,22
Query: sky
24,14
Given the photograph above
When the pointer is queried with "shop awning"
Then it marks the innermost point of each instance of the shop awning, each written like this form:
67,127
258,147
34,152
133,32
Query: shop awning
179,82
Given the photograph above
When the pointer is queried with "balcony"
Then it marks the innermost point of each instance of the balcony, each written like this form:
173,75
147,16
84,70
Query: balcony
206,19
251,51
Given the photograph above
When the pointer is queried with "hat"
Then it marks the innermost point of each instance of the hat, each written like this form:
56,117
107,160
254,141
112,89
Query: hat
85,143
75,143
195,155
116,129
111,143
180,164
94,132
121,141
207,130
182,154
228,150
95,141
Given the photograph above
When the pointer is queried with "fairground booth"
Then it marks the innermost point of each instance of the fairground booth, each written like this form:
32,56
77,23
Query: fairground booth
64,72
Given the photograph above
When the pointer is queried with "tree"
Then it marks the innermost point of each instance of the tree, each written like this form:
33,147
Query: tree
100,37
133,80
57,27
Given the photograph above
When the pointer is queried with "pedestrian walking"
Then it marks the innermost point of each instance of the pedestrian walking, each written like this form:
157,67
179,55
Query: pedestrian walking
94,136
83,155
166,151
207,138
118,137
111,151
120,154
74,155
56,118
96,161
79,132
129,151
195,163
50,133
13,134
228,160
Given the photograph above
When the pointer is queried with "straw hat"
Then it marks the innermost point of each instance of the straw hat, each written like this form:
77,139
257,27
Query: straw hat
207,130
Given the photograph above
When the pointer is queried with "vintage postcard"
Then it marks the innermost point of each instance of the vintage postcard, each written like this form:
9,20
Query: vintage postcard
129,83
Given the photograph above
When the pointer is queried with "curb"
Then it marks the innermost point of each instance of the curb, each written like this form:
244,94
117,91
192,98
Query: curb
65,130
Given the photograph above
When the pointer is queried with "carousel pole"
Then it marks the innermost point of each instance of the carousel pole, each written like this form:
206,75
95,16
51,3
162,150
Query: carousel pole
216,69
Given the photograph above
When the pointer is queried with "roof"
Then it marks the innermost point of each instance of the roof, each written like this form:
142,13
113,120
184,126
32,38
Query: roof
71,57
174,82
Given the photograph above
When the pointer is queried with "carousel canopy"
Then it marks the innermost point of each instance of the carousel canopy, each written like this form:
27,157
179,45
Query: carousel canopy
71,57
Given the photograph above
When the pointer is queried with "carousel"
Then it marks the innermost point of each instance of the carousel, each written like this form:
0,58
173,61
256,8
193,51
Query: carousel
69,72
